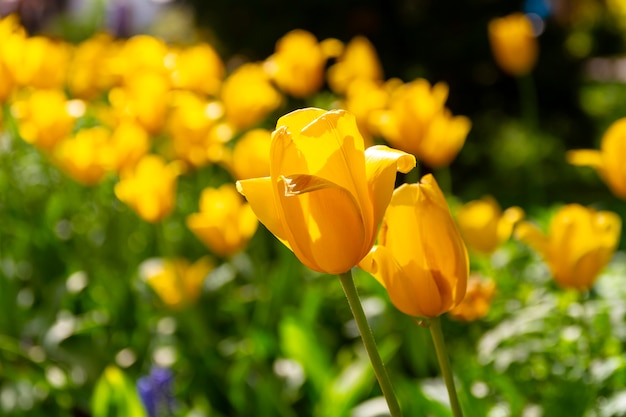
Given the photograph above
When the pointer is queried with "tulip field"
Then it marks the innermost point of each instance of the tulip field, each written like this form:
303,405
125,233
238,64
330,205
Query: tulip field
191,228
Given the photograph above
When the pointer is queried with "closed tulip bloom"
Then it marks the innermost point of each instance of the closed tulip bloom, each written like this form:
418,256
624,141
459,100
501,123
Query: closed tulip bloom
610,160
513,43
483,224
251,154
248,96
420,257
13,37
177,282
89,71
44,118
580,242
84,155
297,65
359,61
150,188
477,300
325,195
225,222
198,68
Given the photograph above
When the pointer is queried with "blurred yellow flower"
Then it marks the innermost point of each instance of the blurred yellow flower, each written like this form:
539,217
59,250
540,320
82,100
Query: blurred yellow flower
192,125
128,143
513,43
297,65
90,69
177,282
418,122
83,156
251,155
579,244
225,222
477,300
198,68
248,96
325,195
141,54
610,160
150,188
484,226
359,61
145,97
38,61
13,36
420,257
44,117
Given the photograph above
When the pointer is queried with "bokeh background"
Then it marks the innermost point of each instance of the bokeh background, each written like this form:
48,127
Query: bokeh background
83,334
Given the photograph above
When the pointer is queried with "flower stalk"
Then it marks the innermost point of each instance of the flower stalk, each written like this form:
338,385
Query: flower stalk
347,282
444,364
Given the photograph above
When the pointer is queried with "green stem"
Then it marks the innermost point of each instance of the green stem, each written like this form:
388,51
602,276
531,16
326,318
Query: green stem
444,363
347,282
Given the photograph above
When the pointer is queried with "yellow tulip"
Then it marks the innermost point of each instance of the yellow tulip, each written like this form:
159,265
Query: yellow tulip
44,118
128,143
150,188
579,244
418,122
610,160
251,154
175,281
198,68
225,223
89,71
513,43
248,96
297,65
38,62
83,156
477,299
325,195
359,61
191,125
420,257
484,226
13,37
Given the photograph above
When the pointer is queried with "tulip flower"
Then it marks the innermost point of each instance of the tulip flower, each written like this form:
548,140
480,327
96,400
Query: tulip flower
610,160
418,122
44,118
248,96
477,300
225,223
150,188
128,143
484,226
89,71
297,65
420,257
176,281
580,242
83,156
325,195
251,154
13,36
199,69
513,43
359,61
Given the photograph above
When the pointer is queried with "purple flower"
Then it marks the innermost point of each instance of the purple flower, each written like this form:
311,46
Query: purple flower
155,391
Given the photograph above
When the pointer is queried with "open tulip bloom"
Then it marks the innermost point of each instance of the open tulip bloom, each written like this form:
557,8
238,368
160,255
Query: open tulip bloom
325,198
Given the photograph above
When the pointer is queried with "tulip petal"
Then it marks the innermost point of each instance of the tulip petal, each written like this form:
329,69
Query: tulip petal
382,163
325,223
258,192
329,146
585,157
530,235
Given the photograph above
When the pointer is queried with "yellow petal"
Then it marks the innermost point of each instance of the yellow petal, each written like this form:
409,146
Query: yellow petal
382,163
259,193
325,226
585,157
530,235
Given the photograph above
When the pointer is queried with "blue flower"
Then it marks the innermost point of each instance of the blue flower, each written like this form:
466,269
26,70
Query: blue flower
155,391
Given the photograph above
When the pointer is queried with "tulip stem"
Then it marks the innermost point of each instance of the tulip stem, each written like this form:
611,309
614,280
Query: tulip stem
347,282
444,363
